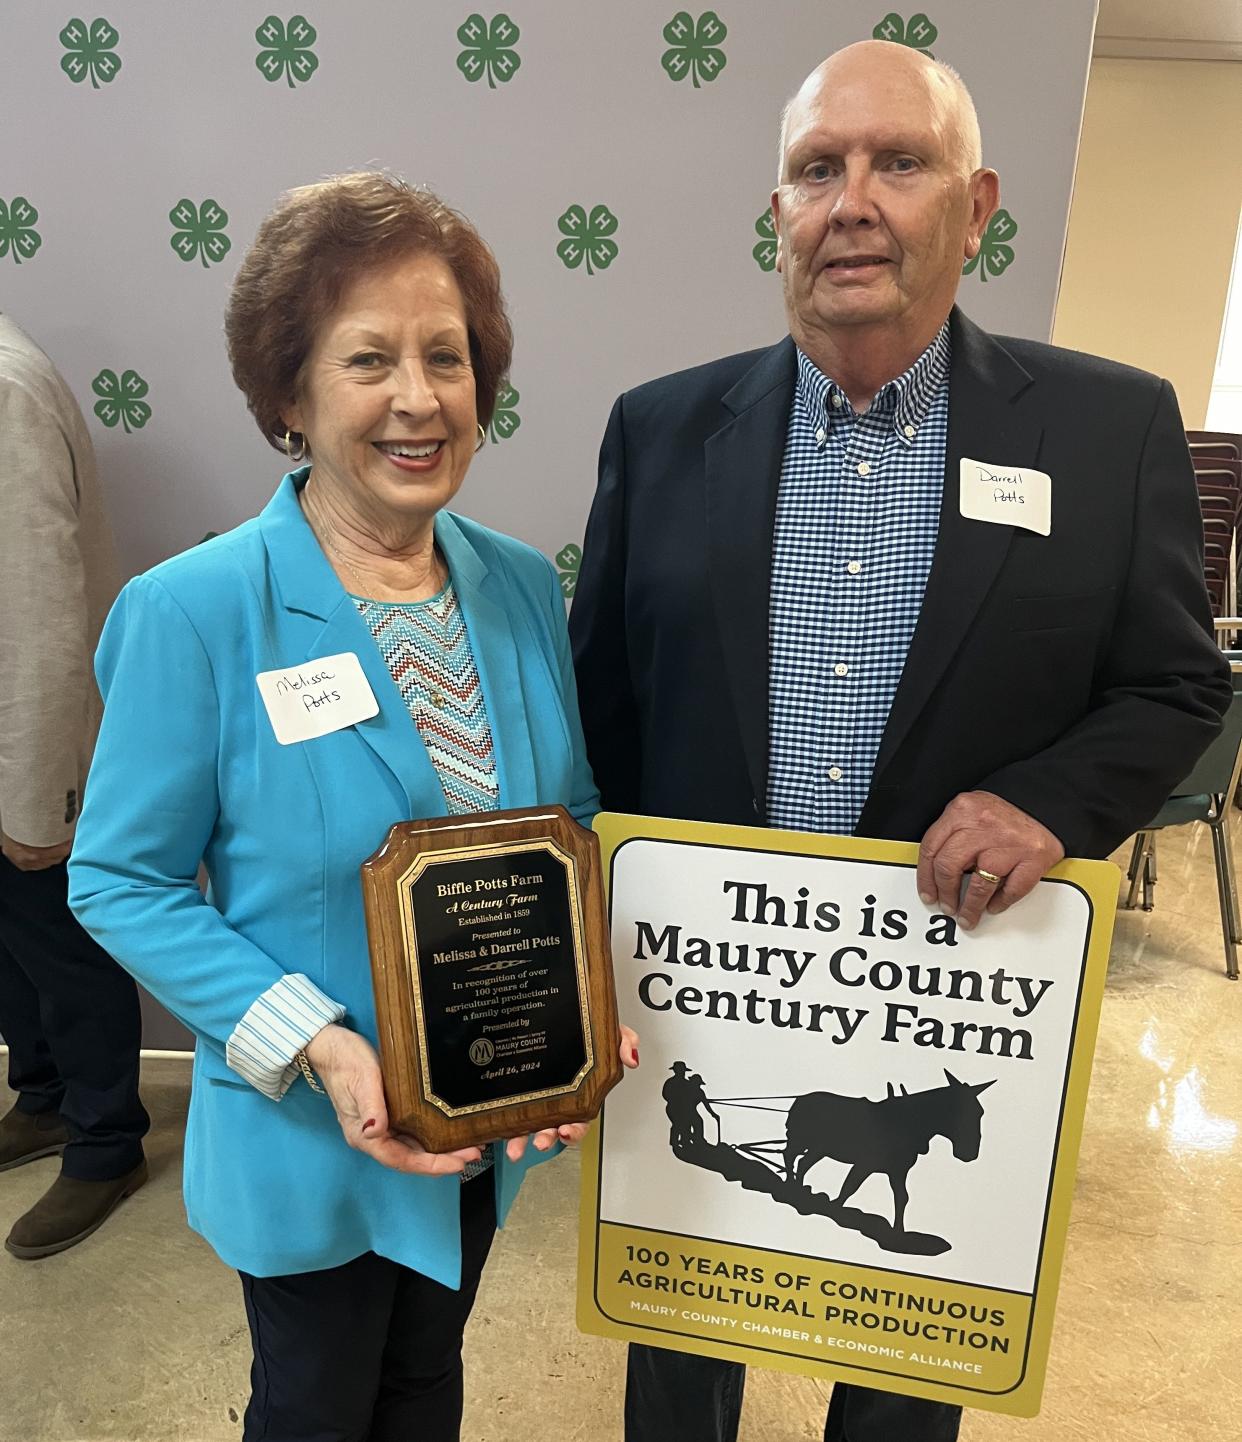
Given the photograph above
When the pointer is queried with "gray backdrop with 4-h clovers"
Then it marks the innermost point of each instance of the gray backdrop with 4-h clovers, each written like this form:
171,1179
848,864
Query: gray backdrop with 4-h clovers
617,157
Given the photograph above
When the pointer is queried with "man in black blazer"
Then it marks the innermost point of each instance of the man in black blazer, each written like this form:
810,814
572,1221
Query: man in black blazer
1050,689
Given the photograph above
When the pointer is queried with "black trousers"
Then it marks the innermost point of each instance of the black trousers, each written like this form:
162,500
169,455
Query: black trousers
366,1352
70,1017
677,1397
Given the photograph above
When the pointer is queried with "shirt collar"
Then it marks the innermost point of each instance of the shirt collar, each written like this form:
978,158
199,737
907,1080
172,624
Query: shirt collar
907,399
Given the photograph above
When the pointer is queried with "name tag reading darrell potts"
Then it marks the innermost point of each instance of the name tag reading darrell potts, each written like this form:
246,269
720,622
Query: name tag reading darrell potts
492,969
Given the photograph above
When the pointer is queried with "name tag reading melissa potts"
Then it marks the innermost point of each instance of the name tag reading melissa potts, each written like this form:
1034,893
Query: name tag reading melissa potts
1010,495
316,697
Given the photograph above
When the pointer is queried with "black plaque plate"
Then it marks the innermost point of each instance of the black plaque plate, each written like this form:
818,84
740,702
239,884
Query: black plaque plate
500,1004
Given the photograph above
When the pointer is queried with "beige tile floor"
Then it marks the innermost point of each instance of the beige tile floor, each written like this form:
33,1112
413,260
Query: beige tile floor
138,1334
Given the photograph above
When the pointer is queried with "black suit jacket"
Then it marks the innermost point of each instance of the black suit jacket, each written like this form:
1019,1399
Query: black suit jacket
1075,675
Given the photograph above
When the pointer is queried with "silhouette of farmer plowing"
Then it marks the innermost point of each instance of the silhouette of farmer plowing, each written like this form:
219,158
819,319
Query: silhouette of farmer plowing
684,1095
869,1137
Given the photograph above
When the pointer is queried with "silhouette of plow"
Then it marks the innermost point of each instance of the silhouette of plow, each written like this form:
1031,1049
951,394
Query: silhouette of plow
770,1152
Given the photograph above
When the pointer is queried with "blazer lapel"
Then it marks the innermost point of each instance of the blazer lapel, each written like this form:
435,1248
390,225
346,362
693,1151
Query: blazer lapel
308,585
989,420
742,463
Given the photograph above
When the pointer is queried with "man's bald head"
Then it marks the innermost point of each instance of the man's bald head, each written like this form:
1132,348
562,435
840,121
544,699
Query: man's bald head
881,199
882,62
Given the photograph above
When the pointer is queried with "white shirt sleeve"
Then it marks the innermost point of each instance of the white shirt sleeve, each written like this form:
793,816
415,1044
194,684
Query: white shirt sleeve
277,1026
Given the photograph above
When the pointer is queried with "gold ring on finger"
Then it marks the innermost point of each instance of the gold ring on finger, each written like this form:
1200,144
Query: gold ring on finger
990,876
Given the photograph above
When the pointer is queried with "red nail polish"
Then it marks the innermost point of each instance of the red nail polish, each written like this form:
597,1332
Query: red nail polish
636,1055
368,1124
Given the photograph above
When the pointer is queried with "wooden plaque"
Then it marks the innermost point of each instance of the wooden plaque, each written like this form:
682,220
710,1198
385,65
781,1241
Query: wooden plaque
493,981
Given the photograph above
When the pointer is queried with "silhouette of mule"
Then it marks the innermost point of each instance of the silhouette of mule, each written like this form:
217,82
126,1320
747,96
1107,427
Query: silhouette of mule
887,1136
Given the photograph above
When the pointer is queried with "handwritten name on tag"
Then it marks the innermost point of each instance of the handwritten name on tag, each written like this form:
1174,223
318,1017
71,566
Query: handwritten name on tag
1010,495
317,697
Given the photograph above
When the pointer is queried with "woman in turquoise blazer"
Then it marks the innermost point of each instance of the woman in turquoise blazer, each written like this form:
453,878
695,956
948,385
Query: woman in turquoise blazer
270,968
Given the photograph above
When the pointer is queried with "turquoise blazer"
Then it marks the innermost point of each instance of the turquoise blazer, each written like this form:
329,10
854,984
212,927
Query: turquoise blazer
188,770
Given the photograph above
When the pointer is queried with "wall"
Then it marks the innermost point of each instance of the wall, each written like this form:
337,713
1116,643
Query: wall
159,136
1154,219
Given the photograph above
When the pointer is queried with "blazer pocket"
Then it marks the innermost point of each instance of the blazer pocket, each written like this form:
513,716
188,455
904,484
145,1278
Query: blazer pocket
213,1069
1058,613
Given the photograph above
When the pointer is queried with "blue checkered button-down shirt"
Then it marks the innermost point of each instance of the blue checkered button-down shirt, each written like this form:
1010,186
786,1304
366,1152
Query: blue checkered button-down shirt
856,522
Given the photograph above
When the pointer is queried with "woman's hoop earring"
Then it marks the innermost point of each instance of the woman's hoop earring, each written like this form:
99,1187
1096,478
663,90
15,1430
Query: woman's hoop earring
301,455
482,439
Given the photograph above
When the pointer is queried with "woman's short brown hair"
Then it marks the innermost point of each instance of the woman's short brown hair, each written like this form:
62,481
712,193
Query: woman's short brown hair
319,239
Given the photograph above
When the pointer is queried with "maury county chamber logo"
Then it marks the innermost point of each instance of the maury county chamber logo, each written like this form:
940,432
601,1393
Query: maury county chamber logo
694,47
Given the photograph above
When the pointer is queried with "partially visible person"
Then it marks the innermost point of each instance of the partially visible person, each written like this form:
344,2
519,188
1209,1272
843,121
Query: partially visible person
68,1013
429,674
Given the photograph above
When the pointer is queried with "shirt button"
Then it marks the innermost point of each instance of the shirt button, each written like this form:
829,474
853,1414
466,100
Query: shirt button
841,669
910,432
821,435
854,567
835,773
836,400
437,700
863,468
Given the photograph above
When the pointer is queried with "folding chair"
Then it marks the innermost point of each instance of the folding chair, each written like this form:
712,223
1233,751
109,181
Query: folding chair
1203,796
1229,442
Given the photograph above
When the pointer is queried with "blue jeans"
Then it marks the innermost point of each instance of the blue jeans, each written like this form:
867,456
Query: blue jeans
677,1397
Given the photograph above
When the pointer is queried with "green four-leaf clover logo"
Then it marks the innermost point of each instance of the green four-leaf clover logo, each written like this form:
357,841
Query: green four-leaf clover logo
287,49
587,239
765,251
694,49
569,563
995,253
918,32
505,419
17,232
489,49
121,400
90,50
199,231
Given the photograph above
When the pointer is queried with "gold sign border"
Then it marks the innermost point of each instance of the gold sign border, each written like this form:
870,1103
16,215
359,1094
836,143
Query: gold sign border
405,883
1097,881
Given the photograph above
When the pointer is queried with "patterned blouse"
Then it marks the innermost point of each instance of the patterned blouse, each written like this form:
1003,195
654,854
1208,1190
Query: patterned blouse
427,651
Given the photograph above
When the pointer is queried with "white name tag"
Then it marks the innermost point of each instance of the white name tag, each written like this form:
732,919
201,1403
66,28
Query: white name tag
317,697
1008,494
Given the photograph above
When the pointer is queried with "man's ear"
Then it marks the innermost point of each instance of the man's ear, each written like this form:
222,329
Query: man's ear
984,200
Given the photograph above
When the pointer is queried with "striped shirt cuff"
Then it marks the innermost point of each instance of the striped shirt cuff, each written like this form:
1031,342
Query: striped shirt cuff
278,1025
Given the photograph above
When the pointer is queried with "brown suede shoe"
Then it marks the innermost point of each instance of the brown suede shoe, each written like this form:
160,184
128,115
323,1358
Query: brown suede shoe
26,1138
69,1211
